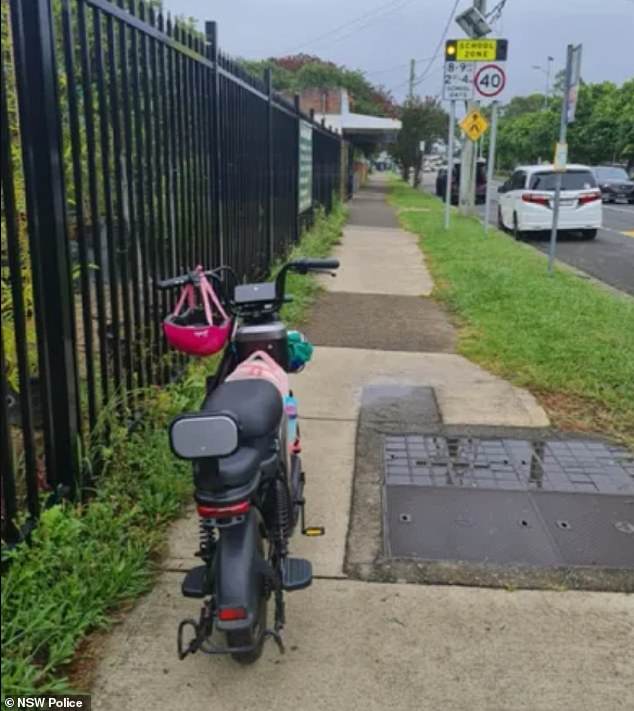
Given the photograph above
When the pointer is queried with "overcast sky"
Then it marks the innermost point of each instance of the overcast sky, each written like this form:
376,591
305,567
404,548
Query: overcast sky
381,36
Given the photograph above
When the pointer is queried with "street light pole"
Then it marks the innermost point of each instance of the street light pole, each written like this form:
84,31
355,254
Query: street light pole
563,130
547,72
549,67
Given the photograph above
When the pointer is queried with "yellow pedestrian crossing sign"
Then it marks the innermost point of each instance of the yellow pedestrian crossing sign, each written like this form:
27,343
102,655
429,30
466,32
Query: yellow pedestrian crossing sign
474,125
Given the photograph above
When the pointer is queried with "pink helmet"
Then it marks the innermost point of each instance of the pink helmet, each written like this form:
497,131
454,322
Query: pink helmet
193,330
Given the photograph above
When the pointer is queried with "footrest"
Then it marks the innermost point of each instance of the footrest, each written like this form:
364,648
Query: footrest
195,582
297,574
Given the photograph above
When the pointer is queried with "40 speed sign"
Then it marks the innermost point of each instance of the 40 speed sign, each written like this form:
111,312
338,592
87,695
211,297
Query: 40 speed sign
490,80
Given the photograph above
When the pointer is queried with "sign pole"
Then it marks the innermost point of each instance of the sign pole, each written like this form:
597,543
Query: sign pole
491,162
452,122
563,127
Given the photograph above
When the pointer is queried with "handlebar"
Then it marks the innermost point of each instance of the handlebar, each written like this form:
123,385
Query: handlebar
193,277
182,280
305,264
301,266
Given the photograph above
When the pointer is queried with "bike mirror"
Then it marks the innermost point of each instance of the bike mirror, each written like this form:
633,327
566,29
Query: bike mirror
201,436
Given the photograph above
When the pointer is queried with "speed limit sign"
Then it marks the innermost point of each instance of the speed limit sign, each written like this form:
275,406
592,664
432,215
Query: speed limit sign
489,80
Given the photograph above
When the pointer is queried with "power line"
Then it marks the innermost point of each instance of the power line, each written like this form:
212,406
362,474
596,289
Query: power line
372,14
357,29
418,81
436,51
440,42
432,59
495,14
397,66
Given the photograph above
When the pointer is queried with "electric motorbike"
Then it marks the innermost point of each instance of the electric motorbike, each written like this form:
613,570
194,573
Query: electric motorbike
245,446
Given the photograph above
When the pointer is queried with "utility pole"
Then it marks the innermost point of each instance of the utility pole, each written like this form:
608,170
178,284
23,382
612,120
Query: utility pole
568,108
450,150
468,162
491,163
412,78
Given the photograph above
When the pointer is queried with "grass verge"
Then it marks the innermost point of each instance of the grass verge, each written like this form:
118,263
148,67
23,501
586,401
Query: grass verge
85,561
569,341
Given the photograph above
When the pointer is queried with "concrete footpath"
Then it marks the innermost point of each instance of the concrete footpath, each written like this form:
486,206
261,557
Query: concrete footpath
358,645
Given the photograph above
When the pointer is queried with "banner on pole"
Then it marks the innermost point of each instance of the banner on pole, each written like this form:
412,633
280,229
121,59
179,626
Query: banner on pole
575,81
305,166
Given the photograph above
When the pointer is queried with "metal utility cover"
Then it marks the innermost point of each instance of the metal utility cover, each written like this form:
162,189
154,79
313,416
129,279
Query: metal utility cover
476,526
590,530
509,501
504,527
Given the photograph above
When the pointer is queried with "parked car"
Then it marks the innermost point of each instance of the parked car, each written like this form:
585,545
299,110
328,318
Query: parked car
614,183
481,182
525,201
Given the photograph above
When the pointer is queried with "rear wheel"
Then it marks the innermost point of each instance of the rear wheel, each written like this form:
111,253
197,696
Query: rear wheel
254,635
589,234
517,233
500,220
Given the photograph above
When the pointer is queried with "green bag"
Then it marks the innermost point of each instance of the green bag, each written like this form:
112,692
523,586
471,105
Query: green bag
300,351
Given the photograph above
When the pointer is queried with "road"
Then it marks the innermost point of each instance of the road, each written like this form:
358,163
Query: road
609,257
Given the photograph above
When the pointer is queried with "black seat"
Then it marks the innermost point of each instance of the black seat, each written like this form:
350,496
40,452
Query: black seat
255,404
257,407
238,469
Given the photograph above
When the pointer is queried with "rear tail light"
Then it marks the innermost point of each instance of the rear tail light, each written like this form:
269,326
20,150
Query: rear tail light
229,614
536,199
589,197
224,511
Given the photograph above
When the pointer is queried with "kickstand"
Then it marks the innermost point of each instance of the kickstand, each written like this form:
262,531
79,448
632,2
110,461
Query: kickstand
202,630
277,638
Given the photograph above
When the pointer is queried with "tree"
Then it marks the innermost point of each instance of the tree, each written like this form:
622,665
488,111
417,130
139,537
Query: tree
603,130
296,72
520,105
422,121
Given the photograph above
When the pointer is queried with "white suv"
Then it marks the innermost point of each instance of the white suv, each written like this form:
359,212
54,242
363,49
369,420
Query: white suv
525,201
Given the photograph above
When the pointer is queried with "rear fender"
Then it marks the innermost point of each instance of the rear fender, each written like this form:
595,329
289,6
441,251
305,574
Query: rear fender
240,571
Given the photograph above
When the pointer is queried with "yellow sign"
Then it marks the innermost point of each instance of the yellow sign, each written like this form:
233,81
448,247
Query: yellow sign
561,158
474,125
478,50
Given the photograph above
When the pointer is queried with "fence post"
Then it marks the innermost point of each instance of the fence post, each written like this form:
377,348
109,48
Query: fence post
342,195
268,80
211,35
42,149
9,529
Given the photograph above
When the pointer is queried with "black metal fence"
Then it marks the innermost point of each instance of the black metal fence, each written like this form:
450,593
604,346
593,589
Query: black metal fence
132,149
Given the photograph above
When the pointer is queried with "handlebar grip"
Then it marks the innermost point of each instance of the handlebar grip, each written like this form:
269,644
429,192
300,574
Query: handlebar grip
309,263
176,281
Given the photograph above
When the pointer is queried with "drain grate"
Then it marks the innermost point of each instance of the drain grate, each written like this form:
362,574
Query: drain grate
578,465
